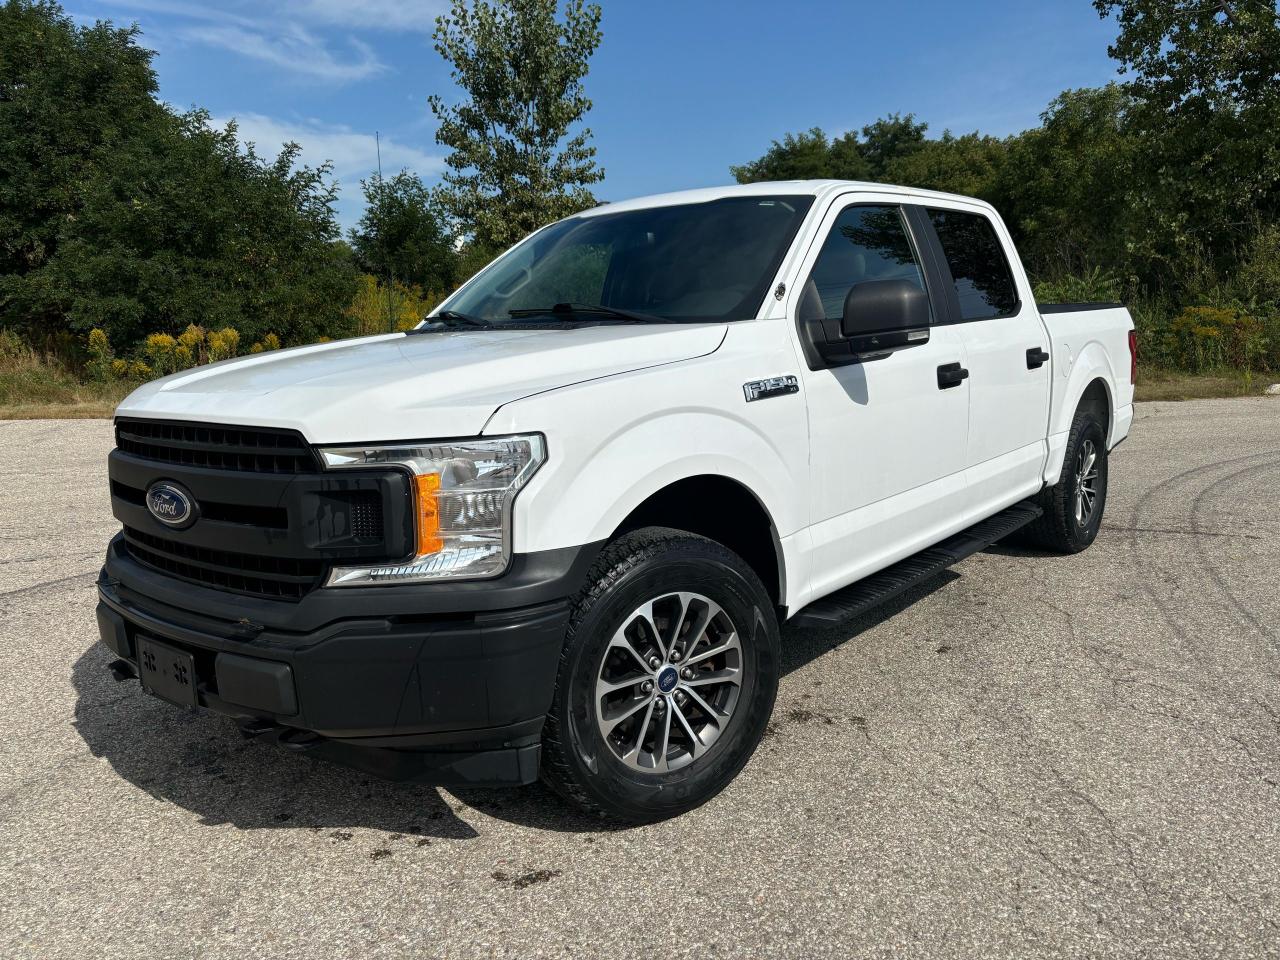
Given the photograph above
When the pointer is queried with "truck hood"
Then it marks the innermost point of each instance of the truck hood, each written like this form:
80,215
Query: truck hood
399,387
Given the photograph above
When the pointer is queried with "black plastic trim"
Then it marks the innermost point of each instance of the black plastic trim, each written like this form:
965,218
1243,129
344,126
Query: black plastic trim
532,578
453,681
1078,307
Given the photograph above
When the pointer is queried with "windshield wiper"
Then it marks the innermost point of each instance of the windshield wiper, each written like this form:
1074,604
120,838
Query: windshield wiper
596,309
454,320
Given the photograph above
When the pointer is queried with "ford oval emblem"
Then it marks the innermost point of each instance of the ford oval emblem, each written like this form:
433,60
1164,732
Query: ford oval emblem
171,504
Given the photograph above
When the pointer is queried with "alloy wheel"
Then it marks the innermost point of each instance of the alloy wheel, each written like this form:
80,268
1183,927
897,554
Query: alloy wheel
669,682
1086,483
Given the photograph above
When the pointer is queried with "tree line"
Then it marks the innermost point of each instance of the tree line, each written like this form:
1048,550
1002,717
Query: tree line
178,244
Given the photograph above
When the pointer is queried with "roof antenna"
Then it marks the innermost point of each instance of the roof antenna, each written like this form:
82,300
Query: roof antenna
382,230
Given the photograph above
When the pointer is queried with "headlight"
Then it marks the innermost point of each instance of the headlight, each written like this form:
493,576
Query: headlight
462,493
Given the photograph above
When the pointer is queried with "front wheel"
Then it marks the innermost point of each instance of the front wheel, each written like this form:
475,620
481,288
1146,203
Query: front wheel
667,678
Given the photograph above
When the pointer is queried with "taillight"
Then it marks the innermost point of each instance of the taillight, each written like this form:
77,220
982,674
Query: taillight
1133,356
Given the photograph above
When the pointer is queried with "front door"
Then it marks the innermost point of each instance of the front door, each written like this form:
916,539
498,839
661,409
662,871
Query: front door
887,443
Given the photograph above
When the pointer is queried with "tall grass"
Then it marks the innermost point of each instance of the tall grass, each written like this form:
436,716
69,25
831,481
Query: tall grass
33,381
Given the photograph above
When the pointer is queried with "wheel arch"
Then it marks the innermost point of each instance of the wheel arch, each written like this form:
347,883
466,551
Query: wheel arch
719,508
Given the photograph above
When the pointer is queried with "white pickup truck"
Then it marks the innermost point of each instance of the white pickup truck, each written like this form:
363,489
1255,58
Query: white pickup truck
553,531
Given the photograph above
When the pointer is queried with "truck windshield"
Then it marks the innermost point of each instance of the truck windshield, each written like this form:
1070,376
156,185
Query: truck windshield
695,262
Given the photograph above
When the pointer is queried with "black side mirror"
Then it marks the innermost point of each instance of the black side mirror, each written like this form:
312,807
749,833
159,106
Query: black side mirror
880,317
884,307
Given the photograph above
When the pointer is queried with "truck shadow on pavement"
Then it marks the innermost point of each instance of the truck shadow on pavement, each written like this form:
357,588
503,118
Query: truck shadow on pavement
201,763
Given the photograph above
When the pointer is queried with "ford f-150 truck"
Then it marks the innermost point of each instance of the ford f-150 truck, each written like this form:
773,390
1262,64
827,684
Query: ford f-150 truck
553,530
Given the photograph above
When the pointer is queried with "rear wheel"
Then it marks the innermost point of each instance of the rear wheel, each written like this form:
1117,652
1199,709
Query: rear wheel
667,678
1073,507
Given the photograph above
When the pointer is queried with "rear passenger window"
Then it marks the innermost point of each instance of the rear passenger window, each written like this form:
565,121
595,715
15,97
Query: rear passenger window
984,283
865,243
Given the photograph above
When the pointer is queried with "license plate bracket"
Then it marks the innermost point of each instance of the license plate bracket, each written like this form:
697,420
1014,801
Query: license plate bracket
167,672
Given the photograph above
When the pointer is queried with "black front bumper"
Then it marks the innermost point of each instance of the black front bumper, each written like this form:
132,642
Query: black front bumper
429,683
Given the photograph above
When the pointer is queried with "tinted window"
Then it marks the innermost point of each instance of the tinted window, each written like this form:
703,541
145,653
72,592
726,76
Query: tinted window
865,244
693,261
983,281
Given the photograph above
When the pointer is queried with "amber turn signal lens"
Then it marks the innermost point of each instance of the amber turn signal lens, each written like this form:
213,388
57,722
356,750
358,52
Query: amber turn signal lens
428,513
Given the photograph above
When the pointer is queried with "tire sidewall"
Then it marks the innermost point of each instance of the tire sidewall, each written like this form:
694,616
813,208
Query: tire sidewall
685,565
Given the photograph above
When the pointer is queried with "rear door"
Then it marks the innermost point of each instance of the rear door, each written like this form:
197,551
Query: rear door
887,442
990,308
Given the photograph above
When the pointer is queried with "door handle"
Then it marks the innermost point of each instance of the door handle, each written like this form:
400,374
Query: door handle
1036,358
951,375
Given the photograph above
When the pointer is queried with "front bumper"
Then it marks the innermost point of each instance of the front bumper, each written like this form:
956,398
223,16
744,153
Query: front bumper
397,681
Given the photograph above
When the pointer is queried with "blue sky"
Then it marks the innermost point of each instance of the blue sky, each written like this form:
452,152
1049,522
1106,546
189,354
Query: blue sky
681,89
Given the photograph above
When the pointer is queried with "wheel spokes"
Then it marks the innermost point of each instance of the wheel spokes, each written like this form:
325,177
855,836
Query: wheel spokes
610,723
714,715
679,631
696,746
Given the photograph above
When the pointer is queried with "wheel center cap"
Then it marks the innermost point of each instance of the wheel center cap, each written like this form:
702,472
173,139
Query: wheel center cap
668,679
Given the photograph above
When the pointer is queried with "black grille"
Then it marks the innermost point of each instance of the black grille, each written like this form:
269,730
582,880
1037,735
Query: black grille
275,518
365,513
278,578
250,449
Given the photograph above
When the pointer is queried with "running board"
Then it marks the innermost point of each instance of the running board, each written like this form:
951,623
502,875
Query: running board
859,597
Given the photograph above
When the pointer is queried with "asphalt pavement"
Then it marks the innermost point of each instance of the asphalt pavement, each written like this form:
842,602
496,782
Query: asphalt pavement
1030,756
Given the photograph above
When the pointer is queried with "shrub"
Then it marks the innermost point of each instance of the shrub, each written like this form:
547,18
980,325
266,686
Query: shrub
223,344
269,342
1096,286
384,308
102,362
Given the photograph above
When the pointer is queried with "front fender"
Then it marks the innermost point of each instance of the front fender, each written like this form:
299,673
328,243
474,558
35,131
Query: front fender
586,496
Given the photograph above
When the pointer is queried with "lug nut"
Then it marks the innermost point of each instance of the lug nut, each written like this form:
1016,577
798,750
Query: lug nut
655,663
687,673
661,705
681,698
647,686
675,656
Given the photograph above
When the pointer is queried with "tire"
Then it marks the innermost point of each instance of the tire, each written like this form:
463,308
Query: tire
646,596
1061,529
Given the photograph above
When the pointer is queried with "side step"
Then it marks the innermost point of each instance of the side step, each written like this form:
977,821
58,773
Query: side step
874,590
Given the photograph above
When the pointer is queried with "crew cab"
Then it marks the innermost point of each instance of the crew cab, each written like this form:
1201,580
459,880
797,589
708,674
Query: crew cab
553,531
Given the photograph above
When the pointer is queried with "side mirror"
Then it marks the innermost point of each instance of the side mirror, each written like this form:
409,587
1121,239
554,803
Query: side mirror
882,315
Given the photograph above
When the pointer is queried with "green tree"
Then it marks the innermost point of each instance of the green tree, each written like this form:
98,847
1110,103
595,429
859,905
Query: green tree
968,164
514,164
402,235
68,98
1206,81
1065,188
184,227
807,156
117,213
891,139
811,155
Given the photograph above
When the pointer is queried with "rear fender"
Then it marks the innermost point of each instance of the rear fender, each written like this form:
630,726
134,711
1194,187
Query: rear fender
1089,364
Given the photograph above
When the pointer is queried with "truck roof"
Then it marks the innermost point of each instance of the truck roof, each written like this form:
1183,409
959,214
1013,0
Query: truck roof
817,188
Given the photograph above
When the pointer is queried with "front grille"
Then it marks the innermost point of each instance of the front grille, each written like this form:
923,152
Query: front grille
249,449
277,578
273,518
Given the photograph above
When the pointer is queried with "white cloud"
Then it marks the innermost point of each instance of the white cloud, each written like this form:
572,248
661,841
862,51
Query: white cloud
291,47
283,32
418,15
354,154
